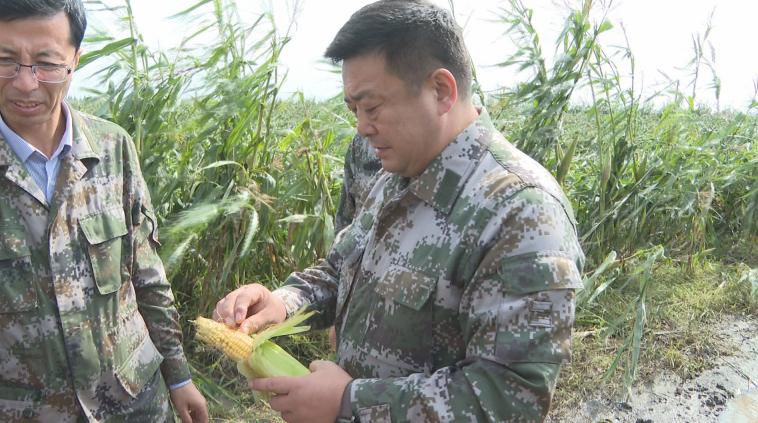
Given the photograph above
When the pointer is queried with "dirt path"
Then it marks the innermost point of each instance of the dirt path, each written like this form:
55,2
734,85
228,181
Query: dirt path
704,399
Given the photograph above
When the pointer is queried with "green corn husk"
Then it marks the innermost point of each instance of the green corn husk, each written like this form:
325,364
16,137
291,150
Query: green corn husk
269,360
265,358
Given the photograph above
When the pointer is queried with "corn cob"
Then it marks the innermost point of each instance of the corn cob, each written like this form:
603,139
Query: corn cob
256,356
233,343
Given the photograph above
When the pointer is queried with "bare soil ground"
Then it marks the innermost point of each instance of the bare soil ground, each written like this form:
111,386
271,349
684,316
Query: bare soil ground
703,399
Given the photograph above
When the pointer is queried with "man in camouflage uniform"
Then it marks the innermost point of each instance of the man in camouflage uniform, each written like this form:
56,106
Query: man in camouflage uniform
86,313
453,289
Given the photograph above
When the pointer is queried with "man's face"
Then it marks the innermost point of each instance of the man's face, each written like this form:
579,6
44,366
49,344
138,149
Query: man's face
402,124
25,103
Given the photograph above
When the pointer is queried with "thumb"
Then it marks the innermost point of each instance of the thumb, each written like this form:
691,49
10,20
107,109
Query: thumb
252,324
261,319
317,365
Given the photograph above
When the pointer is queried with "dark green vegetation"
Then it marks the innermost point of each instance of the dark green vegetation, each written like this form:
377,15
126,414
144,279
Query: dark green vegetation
246,182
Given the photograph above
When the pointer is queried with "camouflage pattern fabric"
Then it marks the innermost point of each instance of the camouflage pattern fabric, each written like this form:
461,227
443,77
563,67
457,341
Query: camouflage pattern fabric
361,167
452,292
86,313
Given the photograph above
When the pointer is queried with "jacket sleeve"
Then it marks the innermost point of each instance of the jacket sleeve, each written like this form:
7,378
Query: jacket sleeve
515,315
155,299
323,288
315,288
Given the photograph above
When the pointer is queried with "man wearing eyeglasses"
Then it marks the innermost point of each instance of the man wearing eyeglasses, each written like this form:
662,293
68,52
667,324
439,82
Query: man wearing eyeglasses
88,330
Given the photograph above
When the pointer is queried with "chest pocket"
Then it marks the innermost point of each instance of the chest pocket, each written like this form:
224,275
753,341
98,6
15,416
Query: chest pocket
402,319
17,291
104,232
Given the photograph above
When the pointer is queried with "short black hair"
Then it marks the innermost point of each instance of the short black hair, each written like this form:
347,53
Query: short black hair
11,10
414,36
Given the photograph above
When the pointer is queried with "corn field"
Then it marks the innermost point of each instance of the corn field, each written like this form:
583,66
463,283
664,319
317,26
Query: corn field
246,182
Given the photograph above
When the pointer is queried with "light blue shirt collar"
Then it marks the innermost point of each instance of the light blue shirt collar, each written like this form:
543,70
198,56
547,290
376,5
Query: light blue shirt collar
23,149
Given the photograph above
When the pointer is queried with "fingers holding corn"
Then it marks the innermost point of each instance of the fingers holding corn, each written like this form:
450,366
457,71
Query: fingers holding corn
250,307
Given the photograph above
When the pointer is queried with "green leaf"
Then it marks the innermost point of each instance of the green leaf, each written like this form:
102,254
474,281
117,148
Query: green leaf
296,218
751,277
287,327
604,26
252,229
221,163
109,49
189,10
609,263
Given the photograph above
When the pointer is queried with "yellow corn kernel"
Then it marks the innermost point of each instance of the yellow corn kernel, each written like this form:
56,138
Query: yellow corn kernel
235,344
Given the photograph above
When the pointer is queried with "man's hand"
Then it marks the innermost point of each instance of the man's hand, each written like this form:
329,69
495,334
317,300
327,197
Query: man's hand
190,404
308,399
251,307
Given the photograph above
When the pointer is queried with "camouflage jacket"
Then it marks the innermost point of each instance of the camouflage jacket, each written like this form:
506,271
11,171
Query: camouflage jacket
361,167
452,292
86,312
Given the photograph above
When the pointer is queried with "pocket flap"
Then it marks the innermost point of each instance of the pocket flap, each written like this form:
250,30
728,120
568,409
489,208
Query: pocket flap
100,227
409,288
139,368
539,272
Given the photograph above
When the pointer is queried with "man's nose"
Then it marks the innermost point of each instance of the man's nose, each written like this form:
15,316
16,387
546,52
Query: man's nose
25,79
365,128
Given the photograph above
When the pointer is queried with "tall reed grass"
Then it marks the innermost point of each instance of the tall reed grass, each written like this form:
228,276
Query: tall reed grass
245,182
648,183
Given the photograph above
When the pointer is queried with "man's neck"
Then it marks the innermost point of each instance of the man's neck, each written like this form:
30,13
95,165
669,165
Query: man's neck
453,123
462,116
45,137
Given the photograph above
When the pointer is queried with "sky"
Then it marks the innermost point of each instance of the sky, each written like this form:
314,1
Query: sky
659,32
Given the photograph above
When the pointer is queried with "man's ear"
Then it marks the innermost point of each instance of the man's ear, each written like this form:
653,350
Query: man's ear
446,89
77,56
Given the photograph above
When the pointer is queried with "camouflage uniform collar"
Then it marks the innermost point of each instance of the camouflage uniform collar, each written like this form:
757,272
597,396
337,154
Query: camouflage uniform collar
442,181
82,146
7,156
13,169
23,149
